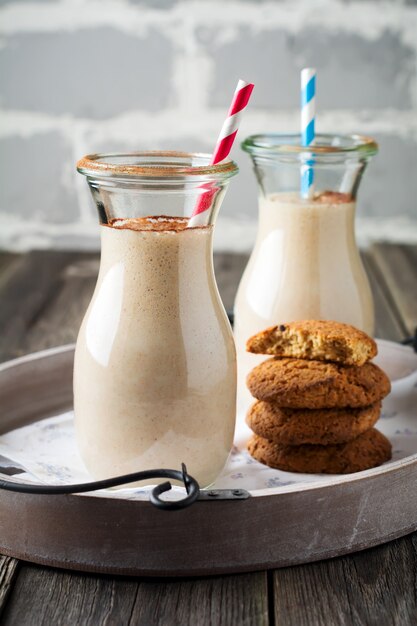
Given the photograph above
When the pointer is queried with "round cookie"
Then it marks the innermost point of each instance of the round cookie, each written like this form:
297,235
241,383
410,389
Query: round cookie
368,450
300,384
319,340
320,426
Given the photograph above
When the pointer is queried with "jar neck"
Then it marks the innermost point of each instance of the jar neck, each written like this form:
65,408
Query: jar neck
126,202
278,177
335,163
151,184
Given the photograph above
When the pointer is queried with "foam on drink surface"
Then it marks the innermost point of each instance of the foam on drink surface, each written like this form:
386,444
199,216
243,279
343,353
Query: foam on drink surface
157,223
161,223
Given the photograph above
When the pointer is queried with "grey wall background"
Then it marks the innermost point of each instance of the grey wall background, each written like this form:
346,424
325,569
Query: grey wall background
79,76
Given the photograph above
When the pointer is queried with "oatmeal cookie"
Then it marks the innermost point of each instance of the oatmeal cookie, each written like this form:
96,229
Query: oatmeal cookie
368,450
301,384
318,426
316,340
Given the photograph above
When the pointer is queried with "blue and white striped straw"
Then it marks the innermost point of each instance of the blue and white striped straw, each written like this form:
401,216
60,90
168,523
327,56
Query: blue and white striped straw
308,116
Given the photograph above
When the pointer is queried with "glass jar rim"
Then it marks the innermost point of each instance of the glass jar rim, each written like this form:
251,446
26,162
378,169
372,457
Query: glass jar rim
154,164
325,144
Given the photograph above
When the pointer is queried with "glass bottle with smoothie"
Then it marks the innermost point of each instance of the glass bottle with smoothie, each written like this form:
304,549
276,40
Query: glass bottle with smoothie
305,263
155,363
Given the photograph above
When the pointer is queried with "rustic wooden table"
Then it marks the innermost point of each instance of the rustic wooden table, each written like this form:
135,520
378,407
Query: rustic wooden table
42,298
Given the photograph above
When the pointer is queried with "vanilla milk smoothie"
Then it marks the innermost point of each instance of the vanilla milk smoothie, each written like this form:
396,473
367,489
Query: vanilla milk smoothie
155,366
305,265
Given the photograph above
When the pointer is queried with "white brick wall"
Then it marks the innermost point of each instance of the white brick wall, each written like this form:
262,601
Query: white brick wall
77,76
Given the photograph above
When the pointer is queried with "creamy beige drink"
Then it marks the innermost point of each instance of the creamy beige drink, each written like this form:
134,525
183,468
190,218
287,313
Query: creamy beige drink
155,368
305,265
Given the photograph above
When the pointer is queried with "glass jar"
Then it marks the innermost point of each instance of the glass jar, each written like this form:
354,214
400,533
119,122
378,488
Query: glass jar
155,364
305,263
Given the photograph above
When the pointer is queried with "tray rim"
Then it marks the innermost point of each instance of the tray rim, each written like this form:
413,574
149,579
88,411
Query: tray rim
386,468
133,538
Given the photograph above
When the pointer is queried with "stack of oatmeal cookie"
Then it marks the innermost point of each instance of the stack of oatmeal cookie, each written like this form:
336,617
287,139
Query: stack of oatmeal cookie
318,399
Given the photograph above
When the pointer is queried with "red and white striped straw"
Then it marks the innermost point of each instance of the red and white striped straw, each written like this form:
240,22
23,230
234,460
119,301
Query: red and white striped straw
224,144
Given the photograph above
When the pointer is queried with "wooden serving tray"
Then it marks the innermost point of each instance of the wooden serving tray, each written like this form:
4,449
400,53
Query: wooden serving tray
269,530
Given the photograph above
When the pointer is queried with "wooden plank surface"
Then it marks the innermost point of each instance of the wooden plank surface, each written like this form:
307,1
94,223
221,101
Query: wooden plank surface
8,575
229,269
372,587
43,296
65,599
388,322
30,290
61,315
398,278
8,263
